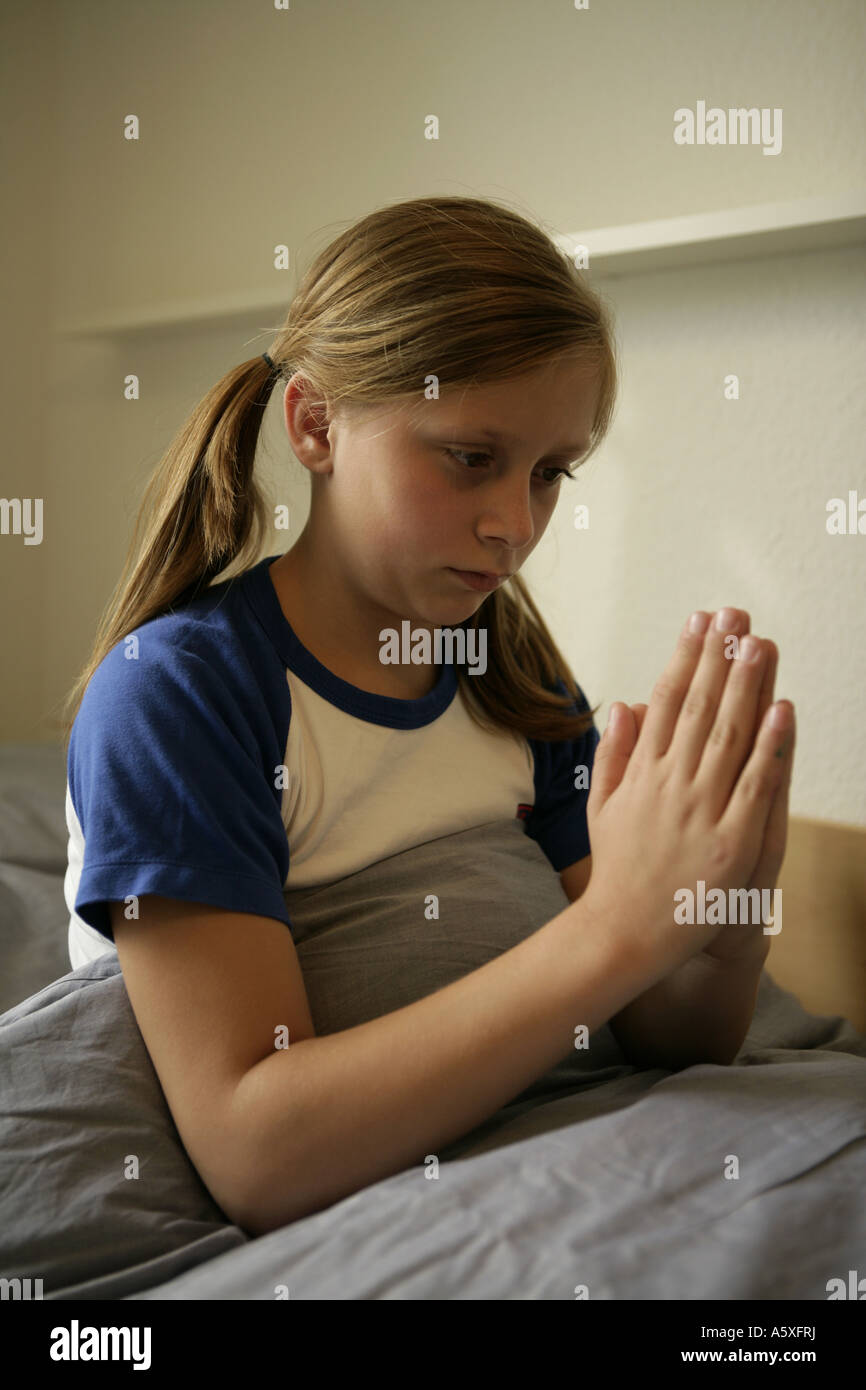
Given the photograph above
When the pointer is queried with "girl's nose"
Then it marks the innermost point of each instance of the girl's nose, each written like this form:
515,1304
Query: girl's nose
508,516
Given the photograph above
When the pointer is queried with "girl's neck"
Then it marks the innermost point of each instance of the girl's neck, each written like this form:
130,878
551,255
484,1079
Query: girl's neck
322,622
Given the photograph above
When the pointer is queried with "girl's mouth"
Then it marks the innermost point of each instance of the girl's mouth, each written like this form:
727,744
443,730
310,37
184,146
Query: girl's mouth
483,582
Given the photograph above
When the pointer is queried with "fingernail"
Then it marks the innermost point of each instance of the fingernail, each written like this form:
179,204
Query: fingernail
725,619
699,622
780,717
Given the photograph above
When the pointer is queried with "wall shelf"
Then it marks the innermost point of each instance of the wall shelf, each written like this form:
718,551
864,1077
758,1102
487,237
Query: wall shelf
765,229
809,224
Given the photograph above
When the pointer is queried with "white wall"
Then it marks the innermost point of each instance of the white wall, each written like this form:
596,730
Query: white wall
697,501
261,126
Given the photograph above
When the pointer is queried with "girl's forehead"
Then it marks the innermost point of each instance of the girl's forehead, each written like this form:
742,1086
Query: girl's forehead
486,403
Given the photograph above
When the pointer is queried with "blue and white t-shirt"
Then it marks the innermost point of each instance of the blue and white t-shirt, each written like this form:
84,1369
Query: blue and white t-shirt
215,760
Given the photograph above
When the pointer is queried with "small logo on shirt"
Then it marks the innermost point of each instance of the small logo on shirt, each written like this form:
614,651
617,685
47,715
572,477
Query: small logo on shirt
524,810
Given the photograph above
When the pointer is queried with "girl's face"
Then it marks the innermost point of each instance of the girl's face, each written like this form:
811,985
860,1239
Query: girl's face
401,499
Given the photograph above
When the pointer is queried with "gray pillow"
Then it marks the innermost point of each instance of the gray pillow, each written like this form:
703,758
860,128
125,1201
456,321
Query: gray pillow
33,855
34,927
80,1095
33,831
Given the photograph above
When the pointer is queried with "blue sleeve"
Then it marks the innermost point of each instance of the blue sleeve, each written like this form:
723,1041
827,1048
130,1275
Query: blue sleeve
558,817
172,774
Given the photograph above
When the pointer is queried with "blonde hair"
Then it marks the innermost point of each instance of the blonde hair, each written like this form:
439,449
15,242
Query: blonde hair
463,283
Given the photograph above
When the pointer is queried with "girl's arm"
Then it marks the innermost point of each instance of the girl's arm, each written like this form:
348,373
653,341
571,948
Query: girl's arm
696,1014
279,1132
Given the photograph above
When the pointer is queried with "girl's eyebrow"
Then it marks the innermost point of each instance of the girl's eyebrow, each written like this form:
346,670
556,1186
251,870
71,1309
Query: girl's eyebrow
503,436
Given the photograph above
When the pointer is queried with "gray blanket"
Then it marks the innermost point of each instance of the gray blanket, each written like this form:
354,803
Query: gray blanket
597,1181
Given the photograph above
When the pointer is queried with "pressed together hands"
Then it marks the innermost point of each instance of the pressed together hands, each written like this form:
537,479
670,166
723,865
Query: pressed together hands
694,786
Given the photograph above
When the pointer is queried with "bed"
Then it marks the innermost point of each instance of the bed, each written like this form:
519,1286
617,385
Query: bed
600,1180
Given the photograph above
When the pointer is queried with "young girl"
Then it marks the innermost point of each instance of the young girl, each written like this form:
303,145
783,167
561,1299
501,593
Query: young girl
444,367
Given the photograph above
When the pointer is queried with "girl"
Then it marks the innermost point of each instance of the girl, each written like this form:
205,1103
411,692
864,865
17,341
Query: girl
445,367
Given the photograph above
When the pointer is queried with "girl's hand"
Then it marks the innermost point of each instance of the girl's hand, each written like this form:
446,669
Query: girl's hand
738,941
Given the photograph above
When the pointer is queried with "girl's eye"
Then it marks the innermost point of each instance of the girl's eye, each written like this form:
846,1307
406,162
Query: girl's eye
549,482
463,454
